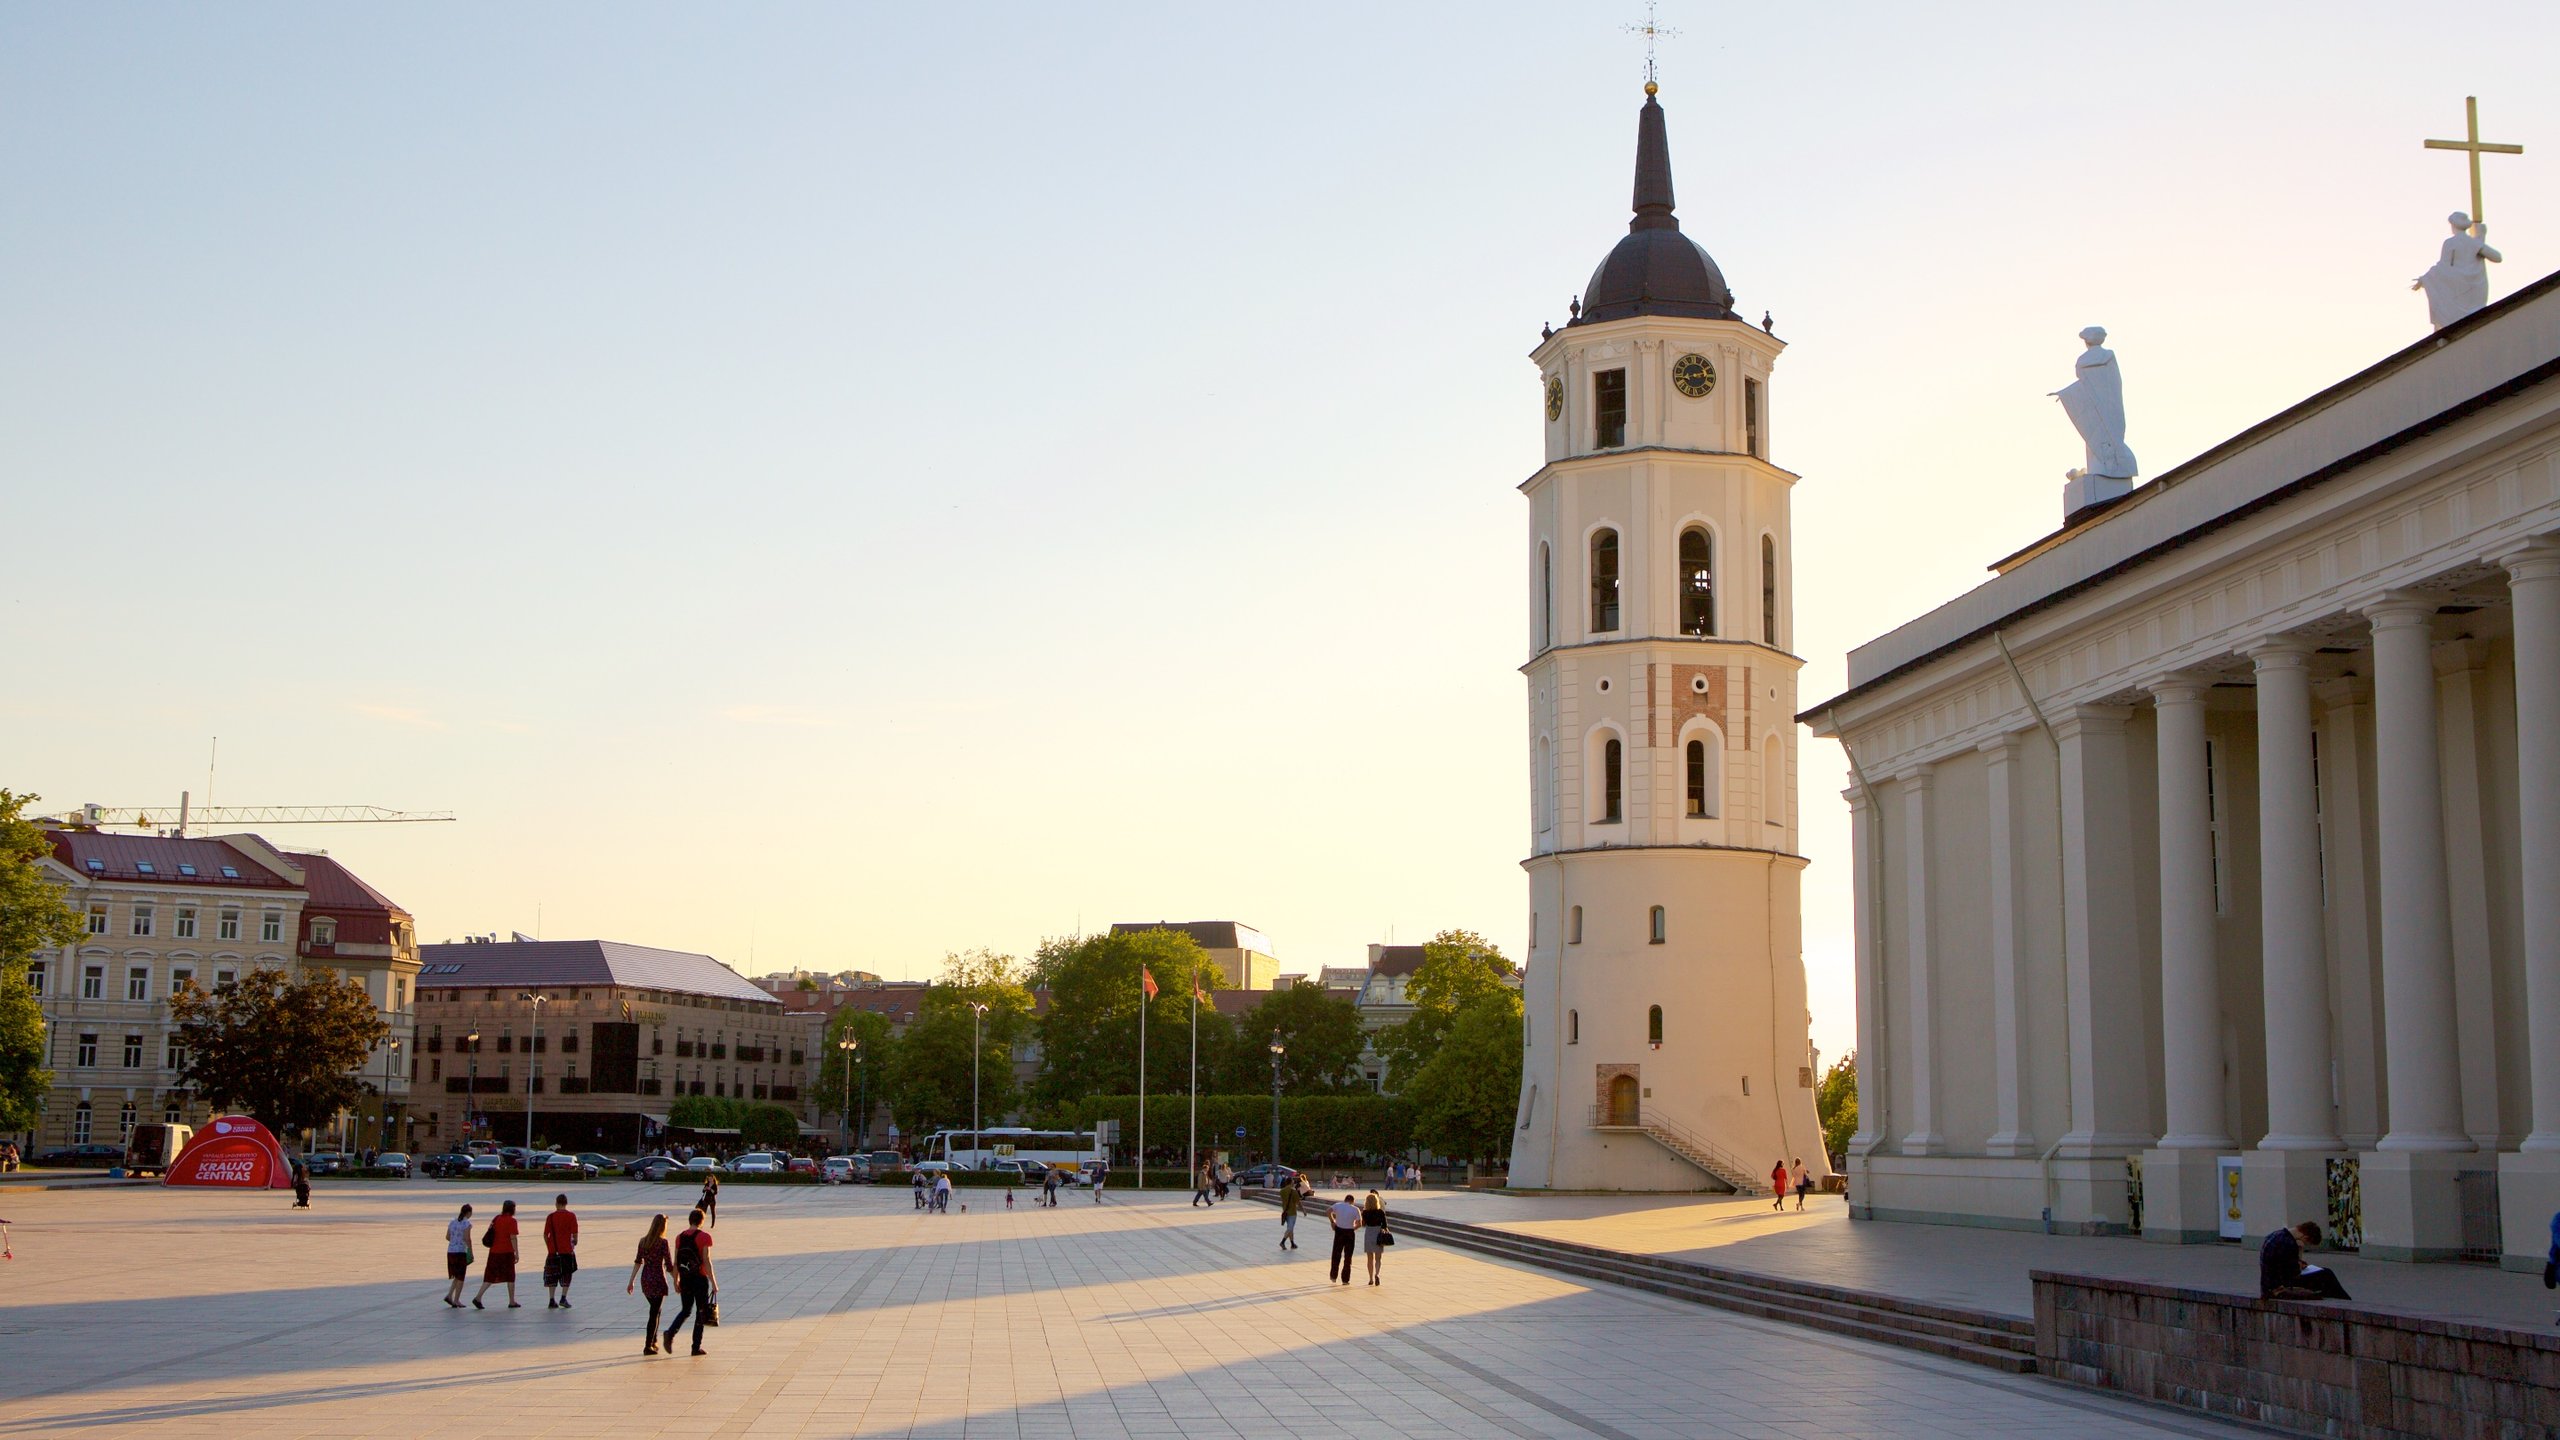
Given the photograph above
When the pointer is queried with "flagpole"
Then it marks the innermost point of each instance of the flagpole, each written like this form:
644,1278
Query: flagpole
1142,1076
1191,1153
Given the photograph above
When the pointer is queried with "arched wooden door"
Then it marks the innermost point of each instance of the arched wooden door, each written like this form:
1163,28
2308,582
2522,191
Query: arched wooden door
1622,1100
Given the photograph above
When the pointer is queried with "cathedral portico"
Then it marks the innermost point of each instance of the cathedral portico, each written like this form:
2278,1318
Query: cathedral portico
2250,778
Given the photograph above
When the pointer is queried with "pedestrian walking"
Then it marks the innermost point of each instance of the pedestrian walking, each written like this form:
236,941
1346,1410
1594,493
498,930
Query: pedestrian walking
500,1242
919,1186
1049,1183
1804,1183
1374,1238
1225,1176
696,1285
1200,1188
710,1202
559,1253
1346,1228
301,1187
1778,1185
1097,1182
1289,1204
649,1276
457,1256
942,1193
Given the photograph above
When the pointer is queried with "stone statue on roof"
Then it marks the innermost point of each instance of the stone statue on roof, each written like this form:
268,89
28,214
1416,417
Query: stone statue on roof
2457,285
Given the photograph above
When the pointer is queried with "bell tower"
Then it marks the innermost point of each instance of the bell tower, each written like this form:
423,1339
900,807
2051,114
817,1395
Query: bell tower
1667,1044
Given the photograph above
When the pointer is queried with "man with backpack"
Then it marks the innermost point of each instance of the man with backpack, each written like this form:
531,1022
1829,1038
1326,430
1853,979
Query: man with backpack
695,1283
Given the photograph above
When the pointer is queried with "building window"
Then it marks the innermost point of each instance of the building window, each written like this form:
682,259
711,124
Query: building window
1769,591
86,1057
271,926
1773,761
142,920
35,977
186,922
180,977
133,1052
1609,406
1653,1017
1697,582
93,982
137,983
169,1116
1701,806
80,1123
228,926
1573,1027
1661,926
1546,595
1612,781
435,1069
177,1056
97,919
224,975
324,933
1751,416
1604,581
1573,927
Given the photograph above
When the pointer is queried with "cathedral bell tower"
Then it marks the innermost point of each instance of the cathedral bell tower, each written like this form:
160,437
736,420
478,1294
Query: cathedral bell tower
1667,1039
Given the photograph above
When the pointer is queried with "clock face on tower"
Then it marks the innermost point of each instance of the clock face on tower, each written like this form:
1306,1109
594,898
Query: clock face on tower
1555,396
1692,376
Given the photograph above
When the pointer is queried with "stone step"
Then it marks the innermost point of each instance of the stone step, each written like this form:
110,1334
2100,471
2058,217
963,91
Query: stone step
1999,1342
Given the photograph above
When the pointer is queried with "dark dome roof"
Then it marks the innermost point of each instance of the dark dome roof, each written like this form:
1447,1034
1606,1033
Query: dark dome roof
1656,270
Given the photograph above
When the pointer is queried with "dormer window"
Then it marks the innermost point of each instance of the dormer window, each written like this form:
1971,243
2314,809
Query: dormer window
324,933
186,869
97,866
1609,408
145,867
230,872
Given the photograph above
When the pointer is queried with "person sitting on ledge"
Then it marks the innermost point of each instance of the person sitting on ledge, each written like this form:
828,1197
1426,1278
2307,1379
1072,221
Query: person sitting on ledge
2282,1275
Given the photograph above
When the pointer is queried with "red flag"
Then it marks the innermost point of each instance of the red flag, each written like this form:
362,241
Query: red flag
1200,994
1147,979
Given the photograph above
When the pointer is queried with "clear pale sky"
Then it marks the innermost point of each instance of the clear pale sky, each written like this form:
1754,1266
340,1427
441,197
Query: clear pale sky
830,485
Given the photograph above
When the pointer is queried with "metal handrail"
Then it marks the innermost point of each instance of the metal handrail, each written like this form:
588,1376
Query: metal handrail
1713,1157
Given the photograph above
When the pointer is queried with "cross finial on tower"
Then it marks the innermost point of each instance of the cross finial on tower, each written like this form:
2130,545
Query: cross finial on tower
1651,30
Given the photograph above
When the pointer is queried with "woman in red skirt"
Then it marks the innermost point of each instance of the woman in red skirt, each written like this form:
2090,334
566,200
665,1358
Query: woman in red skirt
502,1257
649,1273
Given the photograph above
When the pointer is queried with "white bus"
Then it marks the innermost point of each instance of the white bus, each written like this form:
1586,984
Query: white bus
980,1149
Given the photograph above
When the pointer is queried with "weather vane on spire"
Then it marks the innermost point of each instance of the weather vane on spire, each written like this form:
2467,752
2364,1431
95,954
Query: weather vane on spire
1651,30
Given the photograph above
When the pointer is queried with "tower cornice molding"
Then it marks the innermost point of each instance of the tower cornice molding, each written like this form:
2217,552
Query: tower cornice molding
1761,852
1604,457
1684,641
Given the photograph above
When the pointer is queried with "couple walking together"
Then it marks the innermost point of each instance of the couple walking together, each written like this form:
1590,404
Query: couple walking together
1351,1219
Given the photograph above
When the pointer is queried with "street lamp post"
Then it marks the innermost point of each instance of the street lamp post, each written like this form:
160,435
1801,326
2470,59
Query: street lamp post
532,1066
471,1102
977,1139
1277,1050
849,1046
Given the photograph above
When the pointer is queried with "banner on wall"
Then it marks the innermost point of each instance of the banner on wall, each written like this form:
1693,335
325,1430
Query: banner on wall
235,1153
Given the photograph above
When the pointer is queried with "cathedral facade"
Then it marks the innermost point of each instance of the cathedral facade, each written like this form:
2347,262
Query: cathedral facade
1666,1044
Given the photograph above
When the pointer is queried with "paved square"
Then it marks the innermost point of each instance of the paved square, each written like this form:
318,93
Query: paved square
847,1313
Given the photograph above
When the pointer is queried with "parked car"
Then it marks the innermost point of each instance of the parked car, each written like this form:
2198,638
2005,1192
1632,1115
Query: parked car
888,1165
453,1163
556,1161
328,1162
756,1162
654,1167
703,1165
1267,1176
838,1170
485,1165
801,1165
517,1157
393,1161
82,1155
602,1164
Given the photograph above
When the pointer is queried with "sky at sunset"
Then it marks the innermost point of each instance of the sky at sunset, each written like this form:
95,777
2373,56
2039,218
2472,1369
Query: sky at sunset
829,485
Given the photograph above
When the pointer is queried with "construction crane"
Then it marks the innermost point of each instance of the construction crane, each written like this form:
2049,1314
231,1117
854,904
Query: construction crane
98,817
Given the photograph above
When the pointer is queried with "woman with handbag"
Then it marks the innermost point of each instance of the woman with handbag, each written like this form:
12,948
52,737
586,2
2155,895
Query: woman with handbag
649,1275
500,1242
1374,1238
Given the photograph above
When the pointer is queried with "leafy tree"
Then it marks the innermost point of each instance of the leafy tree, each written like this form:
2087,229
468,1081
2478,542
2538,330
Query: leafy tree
286,1051
1836,1099
868,1030
769,1127
1467,1095
33,916
1458,968
1320,1034
1089,1037
930,1068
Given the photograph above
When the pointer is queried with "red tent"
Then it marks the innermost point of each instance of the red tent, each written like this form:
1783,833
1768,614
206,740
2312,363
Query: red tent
234,1152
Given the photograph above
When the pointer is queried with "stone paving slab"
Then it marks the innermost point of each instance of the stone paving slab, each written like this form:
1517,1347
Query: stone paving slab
190,1313
1959,1265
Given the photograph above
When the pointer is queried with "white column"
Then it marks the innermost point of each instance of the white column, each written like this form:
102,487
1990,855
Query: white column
2190,971
2533,579
1917,959
2417,939
2355,976
2293,962
1875,1096
2102,950
2461,678
2015,1135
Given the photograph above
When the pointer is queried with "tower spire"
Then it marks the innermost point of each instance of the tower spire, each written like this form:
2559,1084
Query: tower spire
1653,169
